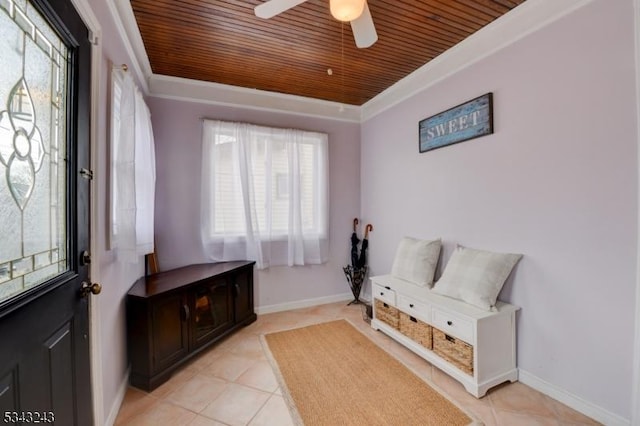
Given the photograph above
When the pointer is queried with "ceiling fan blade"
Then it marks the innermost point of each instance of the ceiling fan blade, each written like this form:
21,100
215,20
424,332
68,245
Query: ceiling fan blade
271,8
364,32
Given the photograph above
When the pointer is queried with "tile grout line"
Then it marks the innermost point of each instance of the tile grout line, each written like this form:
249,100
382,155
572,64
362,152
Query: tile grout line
278,322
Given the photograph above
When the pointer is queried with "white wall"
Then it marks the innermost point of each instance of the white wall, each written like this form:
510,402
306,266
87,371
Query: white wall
178,135
556,182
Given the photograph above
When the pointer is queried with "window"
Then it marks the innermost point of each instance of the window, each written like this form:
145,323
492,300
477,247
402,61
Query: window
269,169
132,170
264,185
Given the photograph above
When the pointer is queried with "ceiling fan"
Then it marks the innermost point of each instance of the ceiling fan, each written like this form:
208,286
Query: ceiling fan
355,12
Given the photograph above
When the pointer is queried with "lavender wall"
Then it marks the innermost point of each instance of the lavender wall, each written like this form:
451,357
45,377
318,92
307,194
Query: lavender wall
178,136
116,277
556,182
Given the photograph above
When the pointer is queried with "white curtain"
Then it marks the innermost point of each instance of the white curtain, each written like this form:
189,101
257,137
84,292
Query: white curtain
145,170
132,172
264,194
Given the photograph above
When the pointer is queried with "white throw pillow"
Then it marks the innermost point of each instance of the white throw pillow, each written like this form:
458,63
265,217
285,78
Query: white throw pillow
416,260
476,276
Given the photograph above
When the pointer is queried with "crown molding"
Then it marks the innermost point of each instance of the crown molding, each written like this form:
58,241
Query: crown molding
183,89
525,19
127,28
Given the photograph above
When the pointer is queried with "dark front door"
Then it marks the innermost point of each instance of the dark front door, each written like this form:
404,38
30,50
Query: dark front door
44,213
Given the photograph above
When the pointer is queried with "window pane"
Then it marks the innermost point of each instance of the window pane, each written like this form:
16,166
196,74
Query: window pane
279,167
228,206
32,150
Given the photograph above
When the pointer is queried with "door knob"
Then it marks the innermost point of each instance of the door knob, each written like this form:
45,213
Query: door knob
87,288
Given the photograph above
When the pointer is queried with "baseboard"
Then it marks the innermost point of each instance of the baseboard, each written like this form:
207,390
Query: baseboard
117,403
579,404
303,303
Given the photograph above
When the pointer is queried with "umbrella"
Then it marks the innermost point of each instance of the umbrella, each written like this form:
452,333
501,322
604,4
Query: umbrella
362,261
354,244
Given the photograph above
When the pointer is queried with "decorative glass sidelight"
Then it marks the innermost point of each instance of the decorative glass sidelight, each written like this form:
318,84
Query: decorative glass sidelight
33,174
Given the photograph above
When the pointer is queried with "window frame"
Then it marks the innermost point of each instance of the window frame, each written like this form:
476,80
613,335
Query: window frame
320,190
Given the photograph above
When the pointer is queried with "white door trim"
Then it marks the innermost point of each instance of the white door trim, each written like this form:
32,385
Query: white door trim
95,34
97,389
635,393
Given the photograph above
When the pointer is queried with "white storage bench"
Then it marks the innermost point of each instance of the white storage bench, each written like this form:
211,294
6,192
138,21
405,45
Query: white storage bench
475,347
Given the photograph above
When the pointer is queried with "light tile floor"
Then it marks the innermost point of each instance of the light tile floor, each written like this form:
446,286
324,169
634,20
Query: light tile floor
233,384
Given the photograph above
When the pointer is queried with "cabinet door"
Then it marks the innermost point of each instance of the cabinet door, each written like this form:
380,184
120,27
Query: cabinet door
243,294
169,330
212,313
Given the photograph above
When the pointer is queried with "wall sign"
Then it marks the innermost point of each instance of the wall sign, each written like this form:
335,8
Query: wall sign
466,121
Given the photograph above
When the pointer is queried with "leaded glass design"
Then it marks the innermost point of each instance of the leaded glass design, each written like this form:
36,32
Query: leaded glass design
33,216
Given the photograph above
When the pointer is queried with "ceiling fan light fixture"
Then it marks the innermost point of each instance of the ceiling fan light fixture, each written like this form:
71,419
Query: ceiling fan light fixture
346,10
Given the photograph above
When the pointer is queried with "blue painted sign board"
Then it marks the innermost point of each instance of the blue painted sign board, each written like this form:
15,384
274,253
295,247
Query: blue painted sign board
466,121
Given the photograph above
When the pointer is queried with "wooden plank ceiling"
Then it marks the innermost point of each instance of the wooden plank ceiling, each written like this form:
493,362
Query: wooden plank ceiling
224,42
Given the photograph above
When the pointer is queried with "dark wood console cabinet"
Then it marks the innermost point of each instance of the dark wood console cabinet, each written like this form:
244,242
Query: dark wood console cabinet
173,315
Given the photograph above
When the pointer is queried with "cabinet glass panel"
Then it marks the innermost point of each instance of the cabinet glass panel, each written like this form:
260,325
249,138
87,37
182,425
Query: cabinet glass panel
211,309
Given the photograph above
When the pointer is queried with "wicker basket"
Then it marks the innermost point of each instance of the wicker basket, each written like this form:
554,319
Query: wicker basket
416,330
387,314
454,350
367,311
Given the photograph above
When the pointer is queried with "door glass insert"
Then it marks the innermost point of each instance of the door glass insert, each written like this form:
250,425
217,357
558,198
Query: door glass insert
33,195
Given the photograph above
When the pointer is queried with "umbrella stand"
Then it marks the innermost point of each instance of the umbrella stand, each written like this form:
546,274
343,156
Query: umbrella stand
357,271
355,278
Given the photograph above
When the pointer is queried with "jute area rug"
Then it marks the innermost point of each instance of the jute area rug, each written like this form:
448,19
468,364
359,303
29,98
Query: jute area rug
332,374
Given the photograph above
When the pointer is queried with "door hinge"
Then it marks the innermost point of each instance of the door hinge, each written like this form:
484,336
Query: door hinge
85,258
86,173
